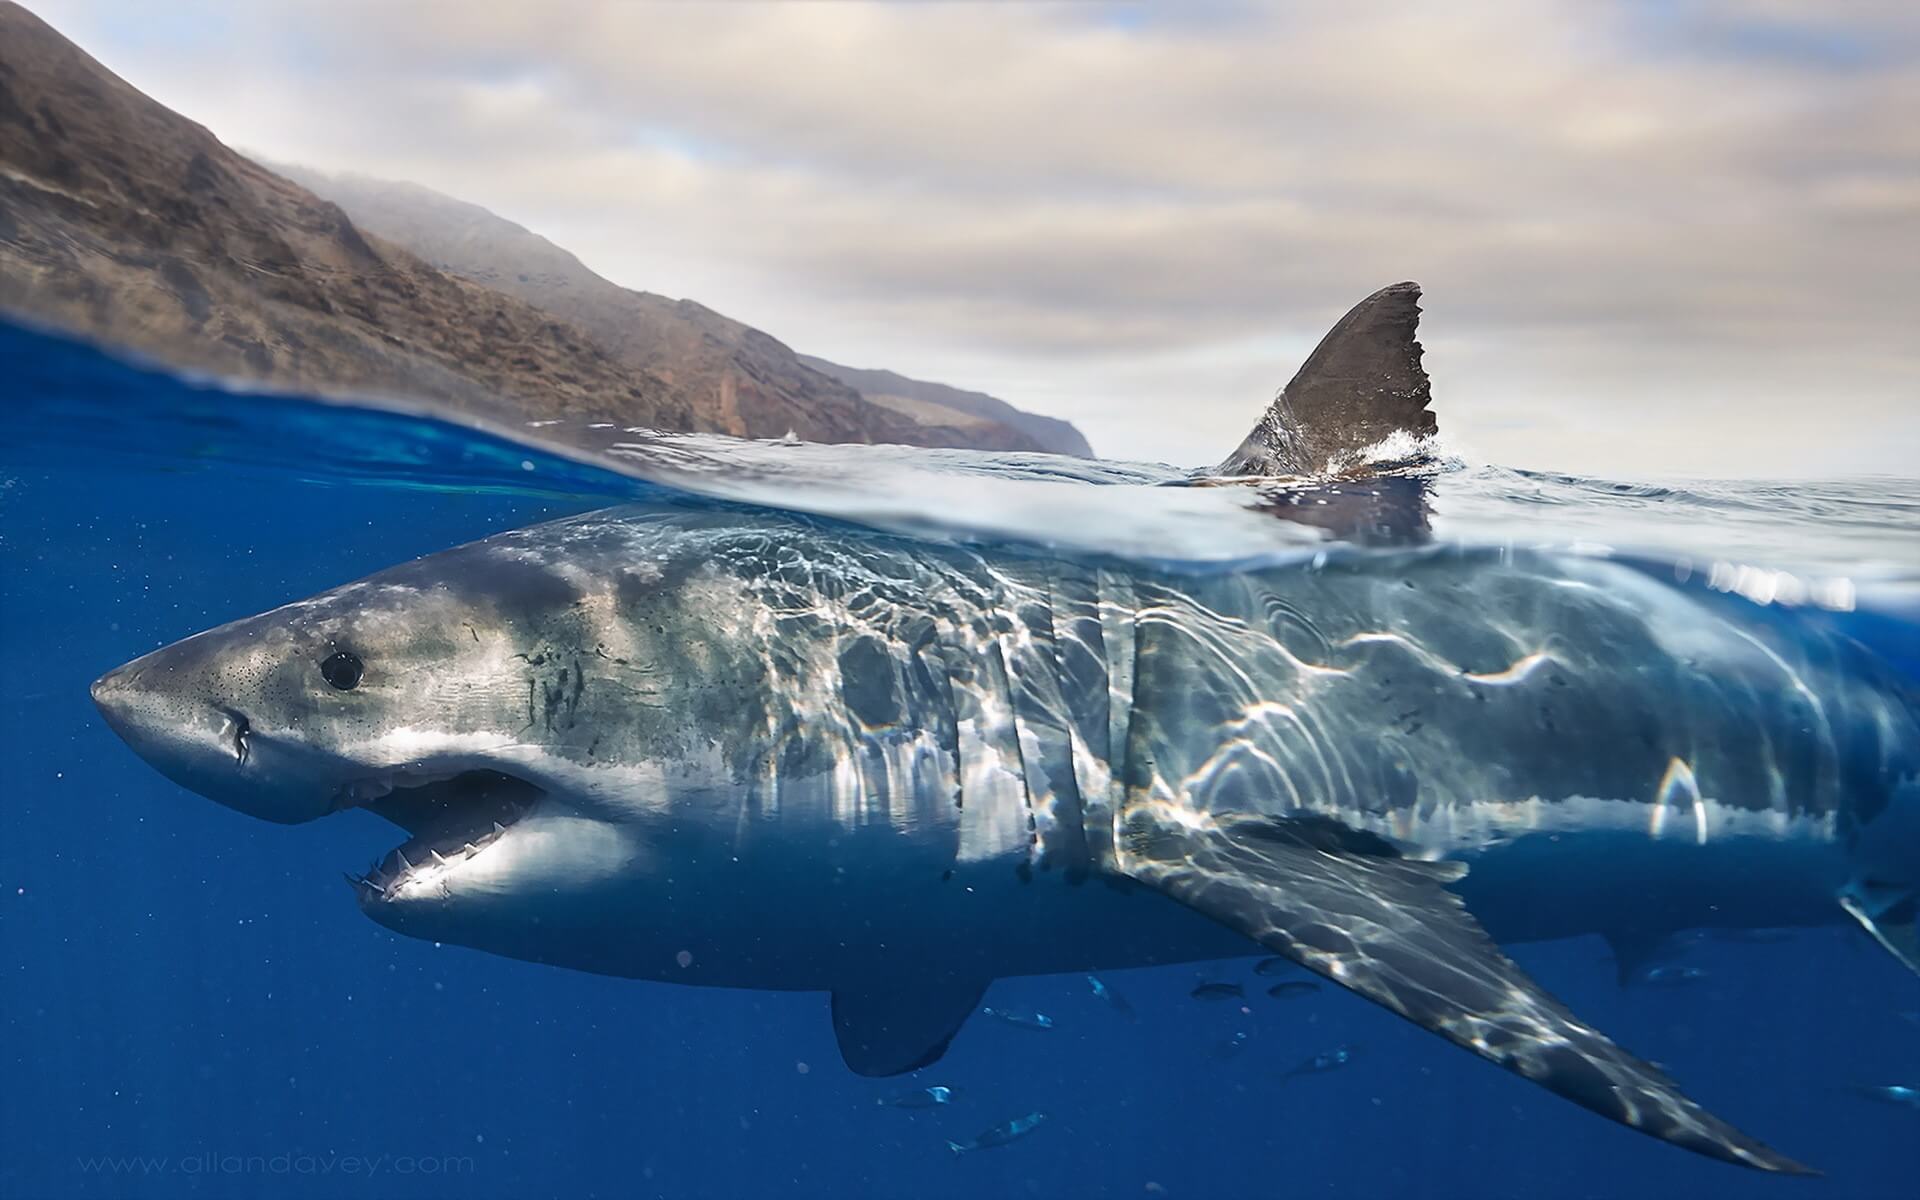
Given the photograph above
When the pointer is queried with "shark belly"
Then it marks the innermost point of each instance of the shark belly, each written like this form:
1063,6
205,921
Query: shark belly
1624,884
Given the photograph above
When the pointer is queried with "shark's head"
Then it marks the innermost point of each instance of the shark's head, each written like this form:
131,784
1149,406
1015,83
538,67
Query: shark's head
525,720
311,708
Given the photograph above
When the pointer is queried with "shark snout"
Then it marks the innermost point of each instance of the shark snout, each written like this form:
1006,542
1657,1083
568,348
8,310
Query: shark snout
154,708
117,695
113,691
191,736
159,727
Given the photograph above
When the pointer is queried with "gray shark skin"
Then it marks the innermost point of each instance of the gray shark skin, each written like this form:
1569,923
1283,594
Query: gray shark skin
1363,383
755,749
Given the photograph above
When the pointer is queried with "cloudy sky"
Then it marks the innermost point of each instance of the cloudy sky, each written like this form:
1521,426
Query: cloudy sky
1662,237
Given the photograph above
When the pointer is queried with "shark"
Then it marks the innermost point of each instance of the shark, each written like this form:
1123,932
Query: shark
739,747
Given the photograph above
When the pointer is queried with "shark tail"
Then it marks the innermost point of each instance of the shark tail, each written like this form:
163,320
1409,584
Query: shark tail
1362,384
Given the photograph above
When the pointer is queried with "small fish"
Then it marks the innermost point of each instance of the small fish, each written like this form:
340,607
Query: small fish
1219,991
1231,1047
1001,1134
1672,976
1292,988
1275,966
1326,1060
1895,1094
926,1097
1751,937
1024,1018
1114,1000
1910,1017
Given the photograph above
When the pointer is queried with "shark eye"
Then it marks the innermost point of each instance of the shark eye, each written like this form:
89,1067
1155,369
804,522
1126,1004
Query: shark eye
342,670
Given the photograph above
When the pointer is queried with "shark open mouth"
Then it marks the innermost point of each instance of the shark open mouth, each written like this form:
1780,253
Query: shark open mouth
452,819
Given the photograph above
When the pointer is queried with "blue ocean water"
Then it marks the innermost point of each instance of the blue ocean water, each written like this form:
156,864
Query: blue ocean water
194,1006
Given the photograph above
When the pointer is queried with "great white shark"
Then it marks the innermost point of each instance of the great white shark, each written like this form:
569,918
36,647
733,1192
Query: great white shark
745,748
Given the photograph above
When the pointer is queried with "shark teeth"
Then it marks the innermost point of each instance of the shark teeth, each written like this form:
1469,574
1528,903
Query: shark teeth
384,877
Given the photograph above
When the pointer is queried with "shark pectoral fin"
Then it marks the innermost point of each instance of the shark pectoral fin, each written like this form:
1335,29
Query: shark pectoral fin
1888,912
1351,910
901,1026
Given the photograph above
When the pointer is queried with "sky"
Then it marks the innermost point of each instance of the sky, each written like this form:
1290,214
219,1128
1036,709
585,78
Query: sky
1659,238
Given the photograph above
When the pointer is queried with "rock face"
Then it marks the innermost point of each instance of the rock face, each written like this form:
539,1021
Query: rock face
748,384
124,222
951,405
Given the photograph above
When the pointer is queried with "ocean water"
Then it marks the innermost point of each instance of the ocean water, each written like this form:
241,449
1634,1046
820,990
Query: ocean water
192,1005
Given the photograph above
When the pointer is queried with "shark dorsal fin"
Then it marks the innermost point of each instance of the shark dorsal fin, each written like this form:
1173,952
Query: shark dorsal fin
1361,384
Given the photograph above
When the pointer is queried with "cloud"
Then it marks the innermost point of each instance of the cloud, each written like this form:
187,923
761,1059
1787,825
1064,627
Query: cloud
1655,238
